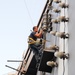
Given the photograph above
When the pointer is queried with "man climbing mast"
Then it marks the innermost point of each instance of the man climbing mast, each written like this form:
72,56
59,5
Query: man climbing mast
33,43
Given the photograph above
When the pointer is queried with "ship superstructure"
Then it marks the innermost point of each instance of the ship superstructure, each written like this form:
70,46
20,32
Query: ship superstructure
57,21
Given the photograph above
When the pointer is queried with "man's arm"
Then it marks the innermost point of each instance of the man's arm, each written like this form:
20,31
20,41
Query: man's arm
39,34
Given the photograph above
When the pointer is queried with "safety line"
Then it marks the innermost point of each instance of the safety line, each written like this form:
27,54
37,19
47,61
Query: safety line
28,12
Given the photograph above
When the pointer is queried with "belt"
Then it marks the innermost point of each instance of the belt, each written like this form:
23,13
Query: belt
31,41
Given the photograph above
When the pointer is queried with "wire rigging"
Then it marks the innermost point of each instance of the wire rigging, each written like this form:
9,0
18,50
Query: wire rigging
28,12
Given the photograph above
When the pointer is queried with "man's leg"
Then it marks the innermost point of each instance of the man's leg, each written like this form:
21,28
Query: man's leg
34,48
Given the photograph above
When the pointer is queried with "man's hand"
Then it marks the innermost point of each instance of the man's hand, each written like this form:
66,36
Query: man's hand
39,34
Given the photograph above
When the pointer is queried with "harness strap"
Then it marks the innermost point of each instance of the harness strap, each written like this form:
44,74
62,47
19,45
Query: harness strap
31,41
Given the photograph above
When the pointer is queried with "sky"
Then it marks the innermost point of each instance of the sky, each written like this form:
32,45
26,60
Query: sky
17,17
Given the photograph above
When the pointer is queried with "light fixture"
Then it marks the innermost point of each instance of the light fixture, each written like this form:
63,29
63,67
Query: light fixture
63,5
62,35
53,47
49,16
61,55
52,64
49,2
44,27
57,1
63,19
56,10
55,20
49,6
49,28
53,32
45,15
45,19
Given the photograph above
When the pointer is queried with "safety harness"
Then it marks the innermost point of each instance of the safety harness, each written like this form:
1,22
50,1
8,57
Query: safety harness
38,41
32,41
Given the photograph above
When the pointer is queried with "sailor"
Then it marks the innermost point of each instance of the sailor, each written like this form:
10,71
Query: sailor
33,43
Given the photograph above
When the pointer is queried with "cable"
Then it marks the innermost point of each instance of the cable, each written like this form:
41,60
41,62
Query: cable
63,68
64,48
63,59
28,12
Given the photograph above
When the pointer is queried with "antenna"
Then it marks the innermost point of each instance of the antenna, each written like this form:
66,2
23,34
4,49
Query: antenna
14,61
28,12
12,68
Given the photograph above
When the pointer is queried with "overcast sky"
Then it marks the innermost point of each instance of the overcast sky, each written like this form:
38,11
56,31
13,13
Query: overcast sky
15,26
